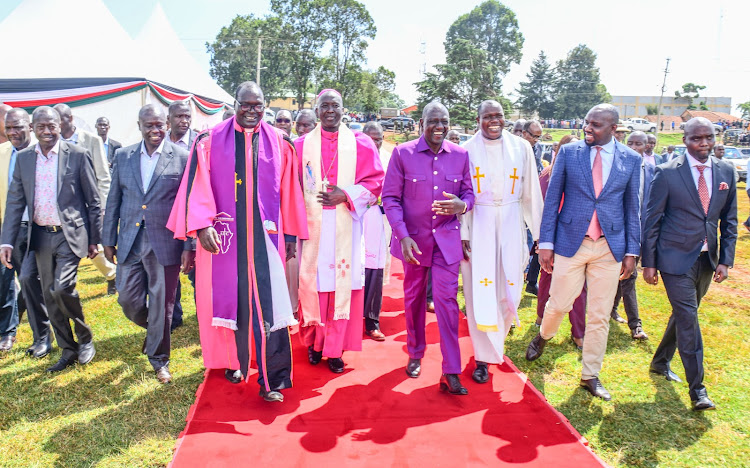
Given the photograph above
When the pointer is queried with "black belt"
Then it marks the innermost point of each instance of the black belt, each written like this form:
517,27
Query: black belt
24,223
49,228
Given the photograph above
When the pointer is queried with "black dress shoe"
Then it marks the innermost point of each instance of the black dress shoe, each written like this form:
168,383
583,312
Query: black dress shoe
336,365
111,288
532,289
536,347
60,365
7,342
595,387
450,383
616,317
175,324
414,368
271,395
703,403
667,373
163,375
573,340
481,374
234,376
314,357
42,349
86,352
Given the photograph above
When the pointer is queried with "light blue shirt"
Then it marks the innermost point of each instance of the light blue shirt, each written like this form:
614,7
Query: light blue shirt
608,158
12,166
148,164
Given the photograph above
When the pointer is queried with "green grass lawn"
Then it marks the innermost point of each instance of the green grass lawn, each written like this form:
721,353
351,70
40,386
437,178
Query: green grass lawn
114,413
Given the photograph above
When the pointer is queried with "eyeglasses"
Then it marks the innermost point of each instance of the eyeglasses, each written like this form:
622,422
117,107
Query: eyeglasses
283,121
245,106
536,137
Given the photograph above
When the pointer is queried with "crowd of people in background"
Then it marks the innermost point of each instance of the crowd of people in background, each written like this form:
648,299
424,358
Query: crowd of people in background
297,221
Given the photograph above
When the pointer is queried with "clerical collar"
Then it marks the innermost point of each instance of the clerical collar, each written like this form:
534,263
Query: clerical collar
242,129
330,135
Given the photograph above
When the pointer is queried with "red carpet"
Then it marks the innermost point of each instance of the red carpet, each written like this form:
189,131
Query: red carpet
373,415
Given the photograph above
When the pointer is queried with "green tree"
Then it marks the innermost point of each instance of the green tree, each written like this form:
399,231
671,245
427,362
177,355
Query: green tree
652,109
234,54
535,94
348,25
577,88
303,28
490,27
745,109
375,89
691,91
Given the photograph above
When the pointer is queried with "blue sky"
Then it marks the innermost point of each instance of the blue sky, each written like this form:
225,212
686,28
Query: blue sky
707,41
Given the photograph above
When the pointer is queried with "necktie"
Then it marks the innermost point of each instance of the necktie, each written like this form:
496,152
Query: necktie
703,189
595,230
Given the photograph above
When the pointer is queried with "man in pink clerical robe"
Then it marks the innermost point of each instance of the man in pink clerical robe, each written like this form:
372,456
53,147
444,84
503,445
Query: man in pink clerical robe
242,198
341,176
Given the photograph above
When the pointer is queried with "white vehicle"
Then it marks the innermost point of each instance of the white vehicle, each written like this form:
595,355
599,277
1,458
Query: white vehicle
734,156
641,125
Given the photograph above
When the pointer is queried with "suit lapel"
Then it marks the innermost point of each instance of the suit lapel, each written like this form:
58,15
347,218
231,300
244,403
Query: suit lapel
716,177
687,178
164,159
584,158
62,164
616,167
135,166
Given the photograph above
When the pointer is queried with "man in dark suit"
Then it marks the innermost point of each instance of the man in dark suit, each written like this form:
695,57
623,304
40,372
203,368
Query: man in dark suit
110,145
146,178
56,181
649,156
594,237
181,135
532,132
692,197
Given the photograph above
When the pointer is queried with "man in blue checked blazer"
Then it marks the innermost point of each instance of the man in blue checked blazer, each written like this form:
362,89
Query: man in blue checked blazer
590,233
145,181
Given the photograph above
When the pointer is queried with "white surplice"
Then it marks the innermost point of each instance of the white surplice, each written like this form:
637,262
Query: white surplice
377,232
508,199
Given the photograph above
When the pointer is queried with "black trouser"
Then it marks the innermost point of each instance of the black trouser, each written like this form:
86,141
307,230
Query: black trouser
532,277
8,306
373,298
683,330
626,291
58,271
31,297
177,317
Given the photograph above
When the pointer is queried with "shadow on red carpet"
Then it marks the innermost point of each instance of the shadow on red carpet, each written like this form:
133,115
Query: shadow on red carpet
373,415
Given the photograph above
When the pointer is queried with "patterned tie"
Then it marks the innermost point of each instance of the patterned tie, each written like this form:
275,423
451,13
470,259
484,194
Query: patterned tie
595,230
703,189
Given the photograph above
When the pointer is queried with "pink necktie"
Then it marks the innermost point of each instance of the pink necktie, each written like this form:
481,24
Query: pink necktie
595,230
703,189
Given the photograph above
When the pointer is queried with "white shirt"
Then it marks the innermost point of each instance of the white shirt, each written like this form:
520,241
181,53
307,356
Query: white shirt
182,142
608,158
649,159
694,163
148,164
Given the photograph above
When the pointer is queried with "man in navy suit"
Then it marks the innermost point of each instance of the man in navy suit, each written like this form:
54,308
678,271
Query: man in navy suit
692,197
593,237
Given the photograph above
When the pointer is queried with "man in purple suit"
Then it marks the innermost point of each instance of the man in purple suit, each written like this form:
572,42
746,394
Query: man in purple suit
428,183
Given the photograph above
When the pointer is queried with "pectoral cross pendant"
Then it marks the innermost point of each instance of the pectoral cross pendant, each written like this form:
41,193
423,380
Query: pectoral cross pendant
325,184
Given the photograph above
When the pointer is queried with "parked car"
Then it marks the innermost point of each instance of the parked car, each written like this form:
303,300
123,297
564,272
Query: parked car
269,116
745,152
387,124
355,126
404,123
680,150
734,156
642,125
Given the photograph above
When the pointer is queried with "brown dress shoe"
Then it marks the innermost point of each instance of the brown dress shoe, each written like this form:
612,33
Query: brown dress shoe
376,335
163,375
6,343
595,387
536,347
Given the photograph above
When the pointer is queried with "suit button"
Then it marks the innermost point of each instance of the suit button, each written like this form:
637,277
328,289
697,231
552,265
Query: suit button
434,172
433,230
435,187
435,158
137,224
414,180
434,217
144,207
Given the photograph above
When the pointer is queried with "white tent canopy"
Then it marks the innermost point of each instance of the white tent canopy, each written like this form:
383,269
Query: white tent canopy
75,51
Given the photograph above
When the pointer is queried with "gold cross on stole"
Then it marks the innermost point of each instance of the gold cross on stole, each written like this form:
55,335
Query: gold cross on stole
515,178
478,176
485,282
237,181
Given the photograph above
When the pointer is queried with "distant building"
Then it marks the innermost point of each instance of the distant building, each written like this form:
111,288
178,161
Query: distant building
635,106
288,101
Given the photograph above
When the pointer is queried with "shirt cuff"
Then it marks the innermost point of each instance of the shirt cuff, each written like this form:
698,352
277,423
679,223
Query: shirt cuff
6,245
631,255
290,238
546,246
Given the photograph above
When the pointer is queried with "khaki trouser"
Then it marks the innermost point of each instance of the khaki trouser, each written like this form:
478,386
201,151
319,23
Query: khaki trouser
108,270
594,264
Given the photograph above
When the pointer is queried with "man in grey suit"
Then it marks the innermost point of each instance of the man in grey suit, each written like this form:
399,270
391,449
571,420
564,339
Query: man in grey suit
146,178
692,197
93,144
110,145
180,134
57,183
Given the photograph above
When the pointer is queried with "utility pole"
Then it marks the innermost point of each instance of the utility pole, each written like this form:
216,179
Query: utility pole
257,67
663,89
